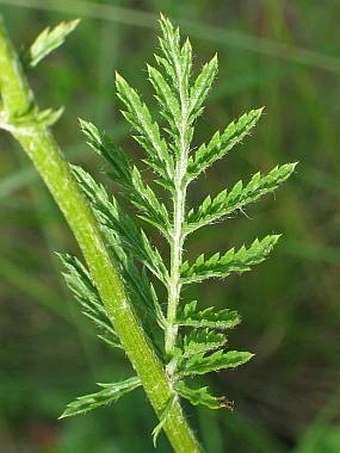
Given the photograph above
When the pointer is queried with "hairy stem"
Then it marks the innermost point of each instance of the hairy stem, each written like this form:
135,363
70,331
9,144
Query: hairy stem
176,245
176,261
39,144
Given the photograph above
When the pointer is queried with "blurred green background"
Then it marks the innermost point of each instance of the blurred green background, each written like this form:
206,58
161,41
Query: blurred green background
281,54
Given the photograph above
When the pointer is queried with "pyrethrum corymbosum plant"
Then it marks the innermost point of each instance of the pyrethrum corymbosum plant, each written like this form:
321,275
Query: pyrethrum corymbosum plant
171,341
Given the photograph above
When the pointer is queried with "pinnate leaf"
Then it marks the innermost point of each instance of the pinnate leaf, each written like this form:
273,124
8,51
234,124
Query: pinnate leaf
220,144
232,261
239,196
210,317
202,364
201,87
200,349
202,396
102,145
152,210
166,98
112,217
139,116
202,341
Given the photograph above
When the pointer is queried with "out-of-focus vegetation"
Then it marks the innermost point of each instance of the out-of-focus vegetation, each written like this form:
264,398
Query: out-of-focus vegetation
281,54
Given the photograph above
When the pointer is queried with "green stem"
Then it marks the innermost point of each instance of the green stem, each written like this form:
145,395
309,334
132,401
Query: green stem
178,236
39,144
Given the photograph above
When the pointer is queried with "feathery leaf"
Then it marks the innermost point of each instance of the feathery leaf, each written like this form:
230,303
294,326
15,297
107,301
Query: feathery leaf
166,98
239,196
223,265
200,349
210,317
202,341
138,115
102,145
201,88
152,210
202,364
220,144
202,396
113,218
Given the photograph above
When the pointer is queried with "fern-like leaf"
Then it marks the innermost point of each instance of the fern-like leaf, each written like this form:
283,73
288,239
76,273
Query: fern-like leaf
176,60
195,340
139,116
209,318
238,197
202,341
232,261
102,145
203,364
170,108
152,210
201,88
111,392
220,144
112,216
140,194
202,396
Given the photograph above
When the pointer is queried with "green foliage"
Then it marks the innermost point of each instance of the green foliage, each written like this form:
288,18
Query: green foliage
201,396
138,115
163,416
226,202
80,283
201,341
201,363
43,118
49,40
221,144
110,393
207,318
194,341
126,241
223,265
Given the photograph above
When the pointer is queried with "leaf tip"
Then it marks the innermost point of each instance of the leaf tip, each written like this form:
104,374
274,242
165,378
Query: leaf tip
65,414
260,110
75,22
